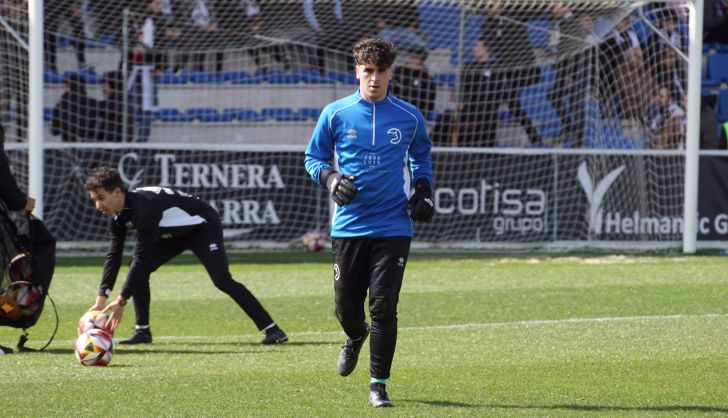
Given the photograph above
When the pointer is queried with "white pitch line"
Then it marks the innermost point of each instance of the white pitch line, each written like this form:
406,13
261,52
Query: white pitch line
468,326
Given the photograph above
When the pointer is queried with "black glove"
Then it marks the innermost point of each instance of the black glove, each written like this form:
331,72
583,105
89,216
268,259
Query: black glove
421,205
341,187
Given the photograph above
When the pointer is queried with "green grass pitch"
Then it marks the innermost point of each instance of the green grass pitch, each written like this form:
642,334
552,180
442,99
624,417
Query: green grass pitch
478,336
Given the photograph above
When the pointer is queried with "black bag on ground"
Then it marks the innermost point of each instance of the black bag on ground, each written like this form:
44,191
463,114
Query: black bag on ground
27,263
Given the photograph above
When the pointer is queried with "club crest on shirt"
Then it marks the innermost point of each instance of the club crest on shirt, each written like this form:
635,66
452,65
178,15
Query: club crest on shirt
351,133
396,136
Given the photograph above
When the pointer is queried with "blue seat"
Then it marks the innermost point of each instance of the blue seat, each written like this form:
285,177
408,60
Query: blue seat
445,79
65,41
245,114
169,77
95,43
52,77
344,77
313,77
281,114
642,30
106,39
504,114
89,77
723,105
537,31
47,114
235,77
311,113
723,101
203,77
441,22
718,67
204,114
277,77
535,102
172,115
607,134
241,77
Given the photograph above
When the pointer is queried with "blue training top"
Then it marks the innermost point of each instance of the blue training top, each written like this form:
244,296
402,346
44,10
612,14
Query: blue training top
378,142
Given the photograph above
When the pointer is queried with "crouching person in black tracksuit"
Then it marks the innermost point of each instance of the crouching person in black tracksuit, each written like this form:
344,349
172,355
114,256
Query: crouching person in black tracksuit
167,222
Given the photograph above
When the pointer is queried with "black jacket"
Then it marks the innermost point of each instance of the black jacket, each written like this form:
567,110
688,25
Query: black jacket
415,86
481,89
10,193
74,118
111,120
156,213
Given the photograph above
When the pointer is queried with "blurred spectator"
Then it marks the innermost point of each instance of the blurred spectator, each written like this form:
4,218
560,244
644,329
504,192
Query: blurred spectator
613,53
715,21
480,89
242,23
74,13
446,129
14,67
331,21
112,110
414,84
709,136
575,72
670,71
10,193
668,127
399,23
668,25
504,32
634,84
291,44
199,33
74,117
144,69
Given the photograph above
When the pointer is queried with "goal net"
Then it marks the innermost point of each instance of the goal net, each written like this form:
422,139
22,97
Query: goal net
553,122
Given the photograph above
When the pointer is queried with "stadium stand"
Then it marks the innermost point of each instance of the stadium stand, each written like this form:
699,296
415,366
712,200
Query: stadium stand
307,90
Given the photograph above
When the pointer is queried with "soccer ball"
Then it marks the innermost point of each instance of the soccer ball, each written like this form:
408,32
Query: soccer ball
91,320
94,348
21,268
26,295
313,241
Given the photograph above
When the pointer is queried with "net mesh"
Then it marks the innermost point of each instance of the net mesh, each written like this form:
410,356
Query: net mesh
522,75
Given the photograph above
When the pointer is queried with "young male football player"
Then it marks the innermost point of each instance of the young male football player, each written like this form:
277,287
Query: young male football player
167,222
375,140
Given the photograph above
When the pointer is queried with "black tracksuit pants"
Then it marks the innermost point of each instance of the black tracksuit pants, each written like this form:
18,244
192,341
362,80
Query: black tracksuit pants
206,243
376,266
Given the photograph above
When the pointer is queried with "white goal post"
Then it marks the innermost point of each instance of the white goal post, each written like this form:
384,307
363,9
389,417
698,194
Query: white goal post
279,69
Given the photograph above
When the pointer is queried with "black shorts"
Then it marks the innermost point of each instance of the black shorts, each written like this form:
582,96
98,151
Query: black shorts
373,265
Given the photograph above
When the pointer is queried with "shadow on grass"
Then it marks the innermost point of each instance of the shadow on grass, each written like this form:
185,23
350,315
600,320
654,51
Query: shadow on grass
250,344
608,408
700,409
66,351
448,404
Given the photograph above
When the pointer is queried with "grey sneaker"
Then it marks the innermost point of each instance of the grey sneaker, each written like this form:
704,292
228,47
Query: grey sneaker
349,355
378,396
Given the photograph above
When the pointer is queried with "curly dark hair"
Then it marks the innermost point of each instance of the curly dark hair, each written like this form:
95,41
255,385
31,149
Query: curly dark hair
375,51
103,177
